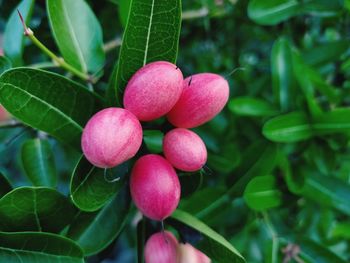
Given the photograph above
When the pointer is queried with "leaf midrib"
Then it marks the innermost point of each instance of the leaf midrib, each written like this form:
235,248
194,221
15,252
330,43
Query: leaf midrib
148,34
71,121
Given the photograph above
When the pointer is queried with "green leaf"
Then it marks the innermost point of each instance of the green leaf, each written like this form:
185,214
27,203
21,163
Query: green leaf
291,127
227,160
316,253
283,81
153,140
5,64
341,230
190,182
5,185
13,35
124,9
39,248
327,191
262,193
89,188
38,162
323,8
250,106
151,34
78,34
272,12
95,231
35,209
335,121
258,160
213,245
48,102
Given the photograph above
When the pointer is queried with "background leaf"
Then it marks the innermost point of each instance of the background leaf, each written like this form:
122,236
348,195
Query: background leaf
47,102
38,162
89,188
5,185
78,33
5,64
38,247
262,193
35,209
95,231
13,35
250,106
213,245
151,34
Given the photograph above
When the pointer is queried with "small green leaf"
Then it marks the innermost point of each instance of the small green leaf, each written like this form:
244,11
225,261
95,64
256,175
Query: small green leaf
48,102
78,34
250,106
283,80
5,64
151,34
213,245
5,185
258,160
13,35
291,127
35,209
272,12
89,188
39,248
95,231
153,140
262,193
38,162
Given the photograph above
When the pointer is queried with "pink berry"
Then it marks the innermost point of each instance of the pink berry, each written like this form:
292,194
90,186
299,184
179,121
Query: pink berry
161,248
184,149
155,187
153,90
4,115
189,254
204,96
111,137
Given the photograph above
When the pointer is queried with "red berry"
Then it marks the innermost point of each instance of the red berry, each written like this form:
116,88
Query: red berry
204,96
189,254
155,186
161,248
111,137
153,90
184,149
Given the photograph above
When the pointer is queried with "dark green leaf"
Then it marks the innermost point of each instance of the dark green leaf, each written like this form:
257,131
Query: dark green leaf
48,102
259,159
89,188
327,191
38,162
250,106
291,127
77,33
213,245
272,12
323,7
262,193
227,160
190,182
95,231
282,74
35,209
39,248
13,35
5,185
153,140
5,64
151,34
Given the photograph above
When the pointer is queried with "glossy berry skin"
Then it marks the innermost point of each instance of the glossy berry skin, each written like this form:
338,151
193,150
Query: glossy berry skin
111,137
155,187
189,254
161,248
153,90
204,96
184,149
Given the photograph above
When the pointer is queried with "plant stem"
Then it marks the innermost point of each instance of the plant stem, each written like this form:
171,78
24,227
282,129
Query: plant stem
192,14
59,61
274,237
110,45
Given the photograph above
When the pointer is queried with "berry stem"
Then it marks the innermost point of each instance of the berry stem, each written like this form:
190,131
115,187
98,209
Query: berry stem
59,61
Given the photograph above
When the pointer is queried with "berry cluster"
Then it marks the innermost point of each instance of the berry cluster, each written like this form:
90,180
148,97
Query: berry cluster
114,135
